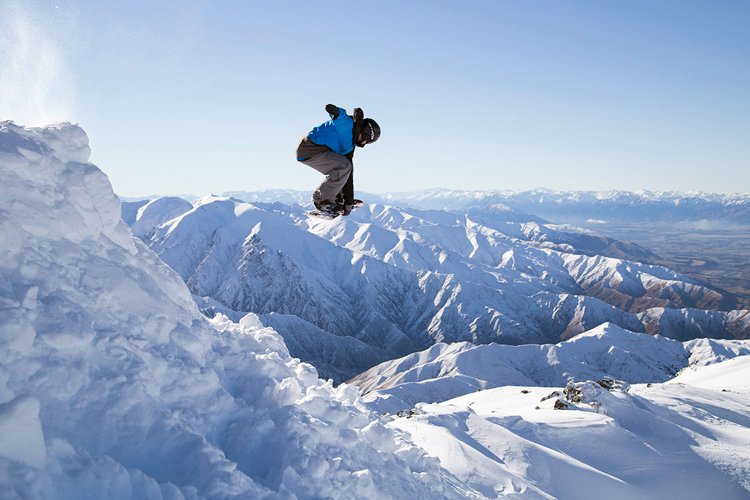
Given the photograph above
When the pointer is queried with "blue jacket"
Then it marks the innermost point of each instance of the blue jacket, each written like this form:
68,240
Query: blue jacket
336,133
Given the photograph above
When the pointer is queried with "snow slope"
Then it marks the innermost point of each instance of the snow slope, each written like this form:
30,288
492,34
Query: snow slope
145,215
113,385
646,441
564,421
731,375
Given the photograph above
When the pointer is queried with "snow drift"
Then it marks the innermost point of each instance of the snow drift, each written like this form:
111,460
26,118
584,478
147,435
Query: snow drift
113,385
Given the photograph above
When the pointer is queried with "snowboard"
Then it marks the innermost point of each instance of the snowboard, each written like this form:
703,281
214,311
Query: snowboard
331,216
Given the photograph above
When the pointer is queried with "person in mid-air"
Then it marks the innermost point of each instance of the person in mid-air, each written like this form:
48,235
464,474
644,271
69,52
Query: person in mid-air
329,149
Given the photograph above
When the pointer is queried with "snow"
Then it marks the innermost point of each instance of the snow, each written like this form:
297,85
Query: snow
599,415
447,371
21,436
709,351
154,212
645,441
730,375
113,385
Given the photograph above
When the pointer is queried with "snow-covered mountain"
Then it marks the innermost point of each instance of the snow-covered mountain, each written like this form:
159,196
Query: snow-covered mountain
569,421
581,206
144,215
399,280
113,385
446,371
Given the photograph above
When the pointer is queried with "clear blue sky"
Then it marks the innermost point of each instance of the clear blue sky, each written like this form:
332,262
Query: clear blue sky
212,96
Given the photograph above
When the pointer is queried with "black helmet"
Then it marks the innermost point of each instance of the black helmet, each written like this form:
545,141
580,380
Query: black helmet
370,130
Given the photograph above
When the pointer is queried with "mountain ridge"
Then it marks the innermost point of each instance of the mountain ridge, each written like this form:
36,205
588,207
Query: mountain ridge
401,279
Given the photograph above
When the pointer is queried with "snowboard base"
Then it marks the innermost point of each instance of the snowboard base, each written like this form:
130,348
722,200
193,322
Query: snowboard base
322,215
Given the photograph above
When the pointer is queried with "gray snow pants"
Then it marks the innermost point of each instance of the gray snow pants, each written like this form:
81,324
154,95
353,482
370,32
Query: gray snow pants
335,167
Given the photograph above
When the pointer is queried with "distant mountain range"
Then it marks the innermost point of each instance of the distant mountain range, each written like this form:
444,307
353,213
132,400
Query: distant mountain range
553,206
583,206
399,280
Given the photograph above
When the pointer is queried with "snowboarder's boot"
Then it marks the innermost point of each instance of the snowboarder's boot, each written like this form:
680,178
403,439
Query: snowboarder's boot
329,207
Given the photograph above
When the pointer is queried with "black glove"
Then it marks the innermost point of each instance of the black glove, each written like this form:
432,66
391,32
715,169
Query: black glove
332,110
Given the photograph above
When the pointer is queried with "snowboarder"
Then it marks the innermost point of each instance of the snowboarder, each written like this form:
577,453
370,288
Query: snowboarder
329,149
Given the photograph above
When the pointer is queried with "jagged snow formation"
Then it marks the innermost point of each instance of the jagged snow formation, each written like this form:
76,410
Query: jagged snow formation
113,385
